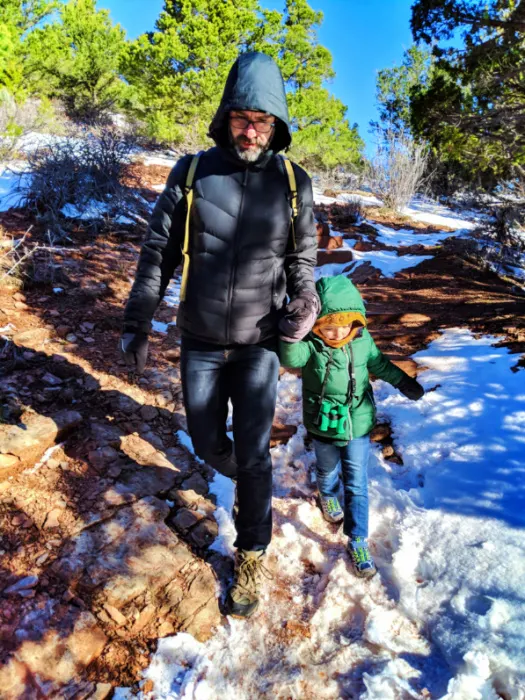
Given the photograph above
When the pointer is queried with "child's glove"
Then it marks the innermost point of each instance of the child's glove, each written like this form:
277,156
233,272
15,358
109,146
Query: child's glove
134,349
411,388
299,317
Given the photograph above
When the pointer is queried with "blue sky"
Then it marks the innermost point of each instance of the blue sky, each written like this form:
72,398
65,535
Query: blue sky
362,35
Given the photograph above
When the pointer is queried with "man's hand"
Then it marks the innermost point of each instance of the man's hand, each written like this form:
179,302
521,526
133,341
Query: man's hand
134,349
411,388
299,317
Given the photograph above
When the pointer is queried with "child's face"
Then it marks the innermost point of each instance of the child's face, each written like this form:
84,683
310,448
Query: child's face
336,333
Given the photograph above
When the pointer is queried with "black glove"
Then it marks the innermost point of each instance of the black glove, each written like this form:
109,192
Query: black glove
411,388
299,317
134,348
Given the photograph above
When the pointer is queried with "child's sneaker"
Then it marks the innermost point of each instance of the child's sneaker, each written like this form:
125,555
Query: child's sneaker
362,563
332,510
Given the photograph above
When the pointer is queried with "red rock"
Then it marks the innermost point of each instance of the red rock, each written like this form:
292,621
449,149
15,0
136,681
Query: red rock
185,518
325,257
204,533
334,242
281,434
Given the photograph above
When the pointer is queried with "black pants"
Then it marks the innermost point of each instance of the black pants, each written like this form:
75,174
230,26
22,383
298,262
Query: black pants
246,374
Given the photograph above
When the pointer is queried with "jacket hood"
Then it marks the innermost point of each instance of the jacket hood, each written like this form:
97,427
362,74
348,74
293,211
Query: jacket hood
254,83
339,294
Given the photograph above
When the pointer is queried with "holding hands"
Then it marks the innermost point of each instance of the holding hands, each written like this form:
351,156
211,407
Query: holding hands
299,317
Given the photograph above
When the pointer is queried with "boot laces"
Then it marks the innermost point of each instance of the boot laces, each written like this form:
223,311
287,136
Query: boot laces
248,575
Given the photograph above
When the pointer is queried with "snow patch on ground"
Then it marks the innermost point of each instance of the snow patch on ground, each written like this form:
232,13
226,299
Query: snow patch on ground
447,611
409,237
10,178
431,212
420,209
388,261
186,442
158,159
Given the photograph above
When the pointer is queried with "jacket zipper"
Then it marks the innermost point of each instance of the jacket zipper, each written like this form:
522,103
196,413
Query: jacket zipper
234,264
351,396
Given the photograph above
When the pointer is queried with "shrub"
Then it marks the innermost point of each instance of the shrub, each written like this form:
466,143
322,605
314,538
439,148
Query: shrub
17,119
397,169
80,176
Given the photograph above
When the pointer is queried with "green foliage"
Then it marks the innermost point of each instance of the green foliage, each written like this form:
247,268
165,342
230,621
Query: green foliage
17,19
394,87
172,78
472,111
323,138
77,59
178,73
179,70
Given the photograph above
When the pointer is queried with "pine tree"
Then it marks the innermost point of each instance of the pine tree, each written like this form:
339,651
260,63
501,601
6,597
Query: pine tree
395,85
78,59
178,73
473,109
323,138
179,70
17,19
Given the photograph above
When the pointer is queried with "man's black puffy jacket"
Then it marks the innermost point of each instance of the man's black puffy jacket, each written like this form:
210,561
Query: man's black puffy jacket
243,258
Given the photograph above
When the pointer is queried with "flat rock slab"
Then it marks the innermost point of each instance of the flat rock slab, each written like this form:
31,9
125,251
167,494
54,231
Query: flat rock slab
33,338
49,650
135,553
325,257
364,272
29,441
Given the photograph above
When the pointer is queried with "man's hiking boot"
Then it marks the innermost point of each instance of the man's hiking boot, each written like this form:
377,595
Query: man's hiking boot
331,508
243,597
362,563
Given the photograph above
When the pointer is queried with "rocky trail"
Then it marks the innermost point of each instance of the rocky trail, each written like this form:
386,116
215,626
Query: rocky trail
111,530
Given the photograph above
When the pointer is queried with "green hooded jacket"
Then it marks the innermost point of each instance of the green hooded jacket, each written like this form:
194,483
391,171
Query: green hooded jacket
357,358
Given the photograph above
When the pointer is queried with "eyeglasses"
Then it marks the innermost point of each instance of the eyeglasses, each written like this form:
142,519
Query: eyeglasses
259,126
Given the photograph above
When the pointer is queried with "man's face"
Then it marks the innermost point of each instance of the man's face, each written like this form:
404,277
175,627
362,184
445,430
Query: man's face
251,133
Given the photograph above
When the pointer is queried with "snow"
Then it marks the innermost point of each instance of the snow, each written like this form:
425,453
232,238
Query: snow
92,210
159,327
446,612
420,208
186,442
388,261
409,237
430,212
124,220
158,159
10,177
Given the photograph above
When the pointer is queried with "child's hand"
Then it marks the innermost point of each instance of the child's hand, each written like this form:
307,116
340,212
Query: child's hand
411,388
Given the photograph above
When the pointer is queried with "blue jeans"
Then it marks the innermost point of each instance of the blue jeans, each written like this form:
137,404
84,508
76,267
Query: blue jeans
353,459
246,374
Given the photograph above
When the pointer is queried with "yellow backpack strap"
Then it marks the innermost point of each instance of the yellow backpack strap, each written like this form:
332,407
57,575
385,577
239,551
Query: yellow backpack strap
188,194
293,194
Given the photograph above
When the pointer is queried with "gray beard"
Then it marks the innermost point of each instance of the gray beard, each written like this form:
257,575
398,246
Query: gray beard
251,155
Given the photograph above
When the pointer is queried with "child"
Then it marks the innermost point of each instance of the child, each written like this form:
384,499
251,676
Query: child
338,406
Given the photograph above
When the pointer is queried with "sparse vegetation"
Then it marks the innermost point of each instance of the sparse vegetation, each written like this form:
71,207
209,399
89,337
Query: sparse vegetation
80,175
397,170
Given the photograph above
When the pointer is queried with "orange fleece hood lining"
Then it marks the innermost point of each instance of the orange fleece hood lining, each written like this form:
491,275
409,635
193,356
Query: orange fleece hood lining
342,318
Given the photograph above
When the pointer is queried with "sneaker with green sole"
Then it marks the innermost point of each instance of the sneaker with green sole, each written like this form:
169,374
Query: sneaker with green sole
243,597
362,562
331,508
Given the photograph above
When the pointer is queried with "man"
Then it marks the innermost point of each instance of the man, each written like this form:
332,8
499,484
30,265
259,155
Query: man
245,251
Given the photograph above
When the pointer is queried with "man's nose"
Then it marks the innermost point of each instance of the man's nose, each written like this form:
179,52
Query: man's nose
250,131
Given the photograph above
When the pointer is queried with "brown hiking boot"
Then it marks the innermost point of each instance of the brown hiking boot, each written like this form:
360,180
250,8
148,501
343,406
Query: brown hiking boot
243,596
